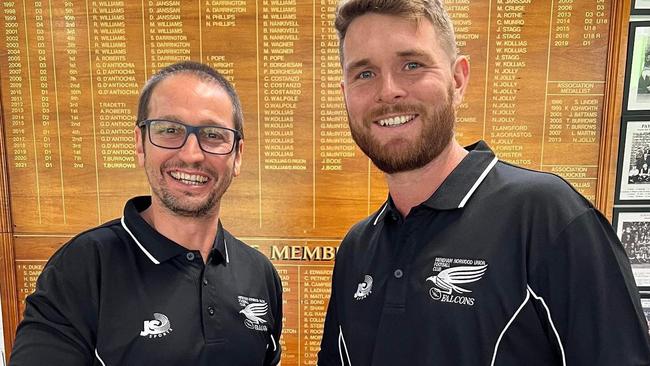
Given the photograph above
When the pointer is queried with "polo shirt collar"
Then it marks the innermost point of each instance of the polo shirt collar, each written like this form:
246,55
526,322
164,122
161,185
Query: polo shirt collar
157,247
456,190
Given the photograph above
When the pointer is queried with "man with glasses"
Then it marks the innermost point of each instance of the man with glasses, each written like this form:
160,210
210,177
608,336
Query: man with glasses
165,284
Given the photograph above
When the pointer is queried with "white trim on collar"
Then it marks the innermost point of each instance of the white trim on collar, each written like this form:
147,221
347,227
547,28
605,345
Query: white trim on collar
478,182
153,259
225,245
380,213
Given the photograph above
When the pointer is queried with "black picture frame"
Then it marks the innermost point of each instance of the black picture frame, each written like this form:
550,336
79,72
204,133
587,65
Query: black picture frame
632,226
636,92
640,7
633,166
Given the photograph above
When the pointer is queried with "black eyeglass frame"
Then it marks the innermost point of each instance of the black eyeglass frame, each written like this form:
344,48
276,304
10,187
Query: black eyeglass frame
188,131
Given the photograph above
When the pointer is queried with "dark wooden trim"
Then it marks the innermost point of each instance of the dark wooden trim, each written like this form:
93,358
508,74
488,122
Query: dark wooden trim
8,292
612,106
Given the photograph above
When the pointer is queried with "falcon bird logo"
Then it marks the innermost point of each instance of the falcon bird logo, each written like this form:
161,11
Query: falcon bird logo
254,311
447,280
364,288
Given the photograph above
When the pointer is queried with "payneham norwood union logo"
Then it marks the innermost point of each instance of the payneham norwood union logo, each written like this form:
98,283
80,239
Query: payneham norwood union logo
254,310
453,272
156,328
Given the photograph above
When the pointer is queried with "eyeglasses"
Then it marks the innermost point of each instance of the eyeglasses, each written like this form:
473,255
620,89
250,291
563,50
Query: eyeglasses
173,135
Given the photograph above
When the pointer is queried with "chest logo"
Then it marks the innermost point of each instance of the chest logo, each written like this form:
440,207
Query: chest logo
156,328
253,310
364,288
449,285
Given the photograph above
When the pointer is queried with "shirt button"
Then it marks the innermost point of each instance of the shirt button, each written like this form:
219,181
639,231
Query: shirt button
205,282
189,256
398,273
210,310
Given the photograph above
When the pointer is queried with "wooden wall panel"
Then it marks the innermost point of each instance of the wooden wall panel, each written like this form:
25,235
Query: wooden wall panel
544,93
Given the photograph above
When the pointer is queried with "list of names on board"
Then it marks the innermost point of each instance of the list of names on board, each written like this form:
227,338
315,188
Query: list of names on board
71,72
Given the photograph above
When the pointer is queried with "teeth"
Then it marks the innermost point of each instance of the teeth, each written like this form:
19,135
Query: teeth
395,121
193,179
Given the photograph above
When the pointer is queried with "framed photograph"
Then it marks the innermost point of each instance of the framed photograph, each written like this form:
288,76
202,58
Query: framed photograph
645,304
636,97
633,170
640,7
632,226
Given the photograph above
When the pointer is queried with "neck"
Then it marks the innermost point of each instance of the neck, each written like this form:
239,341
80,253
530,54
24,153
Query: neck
193,233
409,189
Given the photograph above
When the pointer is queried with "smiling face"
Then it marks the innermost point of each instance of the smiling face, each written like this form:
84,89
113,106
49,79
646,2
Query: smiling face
401,89
188,181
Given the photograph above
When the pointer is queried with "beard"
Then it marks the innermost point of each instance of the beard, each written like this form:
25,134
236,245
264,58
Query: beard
182,203
399,154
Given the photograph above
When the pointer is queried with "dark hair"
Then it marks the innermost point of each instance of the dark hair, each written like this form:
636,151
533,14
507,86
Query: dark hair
433,10
204,73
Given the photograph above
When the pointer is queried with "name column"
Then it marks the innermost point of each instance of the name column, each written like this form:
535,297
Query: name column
518,66
286,117
117,51
576,87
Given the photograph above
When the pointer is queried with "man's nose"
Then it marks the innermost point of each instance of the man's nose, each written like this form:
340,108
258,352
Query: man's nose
191,151
390,89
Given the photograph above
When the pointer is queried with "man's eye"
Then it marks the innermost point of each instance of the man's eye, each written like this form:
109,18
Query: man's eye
170,131
365,75
412,65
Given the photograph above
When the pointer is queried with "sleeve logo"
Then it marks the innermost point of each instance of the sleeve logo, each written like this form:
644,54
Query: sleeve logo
450,283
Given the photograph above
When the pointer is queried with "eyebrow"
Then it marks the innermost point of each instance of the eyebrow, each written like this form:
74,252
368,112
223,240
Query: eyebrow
174,118
415,53
403,54
357,64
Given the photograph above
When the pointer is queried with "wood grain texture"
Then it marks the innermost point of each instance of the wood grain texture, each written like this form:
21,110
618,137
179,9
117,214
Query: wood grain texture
545,93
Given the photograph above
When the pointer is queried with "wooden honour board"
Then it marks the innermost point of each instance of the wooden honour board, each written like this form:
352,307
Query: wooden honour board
71,71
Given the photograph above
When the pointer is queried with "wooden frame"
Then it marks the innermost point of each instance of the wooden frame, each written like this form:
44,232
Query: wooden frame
612,108
8,291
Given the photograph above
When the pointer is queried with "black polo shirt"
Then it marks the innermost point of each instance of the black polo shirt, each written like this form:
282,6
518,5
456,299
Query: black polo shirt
500,266
123,294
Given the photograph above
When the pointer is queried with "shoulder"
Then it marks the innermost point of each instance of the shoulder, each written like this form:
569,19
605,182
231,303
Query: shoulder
532,181
76,267
88,247
535,192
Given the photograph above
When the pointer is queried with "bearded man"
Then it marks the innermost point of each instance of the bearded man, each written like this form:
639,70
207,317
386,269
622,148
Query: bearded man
470,261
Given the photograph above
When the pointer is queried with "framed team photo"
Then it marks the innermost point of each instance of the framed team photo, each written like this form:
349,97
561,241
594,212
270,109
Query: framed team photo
640,7
633,175
632,226
637,73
